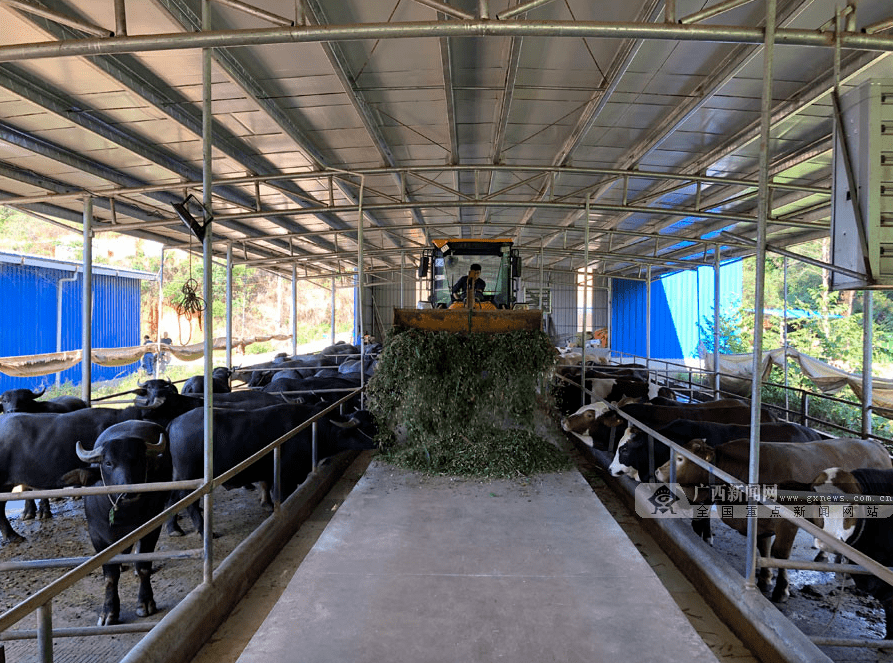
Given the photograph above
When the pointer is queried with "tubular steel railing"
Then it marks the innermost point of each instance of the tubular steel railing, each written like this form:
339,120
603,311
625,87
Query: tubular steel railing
805,396
863,563
41,601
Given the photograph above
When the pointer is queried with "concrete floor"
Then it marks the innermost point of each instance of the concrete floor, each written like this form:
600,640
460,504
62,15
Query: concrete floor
415,568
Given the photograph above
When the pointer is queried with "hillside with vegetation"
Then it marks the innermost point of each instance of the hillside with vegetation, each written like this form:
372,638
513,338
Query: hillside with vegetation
820,323
261,300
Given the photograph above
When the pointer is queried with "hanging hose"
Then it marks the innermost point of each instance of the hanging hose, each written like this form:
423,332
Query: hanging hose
191,305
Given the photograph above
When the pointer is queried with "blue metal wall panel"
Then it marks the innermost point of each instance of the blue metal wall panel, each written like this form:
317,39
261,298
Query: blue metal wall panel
679,302
628,316
28,296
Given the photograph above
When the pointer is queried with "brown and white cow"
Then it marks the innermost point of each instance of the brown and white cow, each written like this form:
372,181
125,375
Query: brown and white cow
780,463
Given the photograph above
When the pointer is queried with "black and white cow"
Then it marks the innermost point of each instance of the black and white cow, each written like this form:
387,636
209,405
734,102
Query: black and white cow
871,536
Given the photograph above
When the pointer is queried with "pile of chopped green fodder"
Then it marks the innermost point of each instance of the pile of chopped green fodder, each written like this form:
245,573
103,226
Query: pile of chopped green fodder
464,403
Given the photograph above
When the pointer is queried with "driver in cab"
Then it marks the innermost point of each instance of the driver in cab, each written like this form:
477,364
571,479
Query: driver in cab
472,281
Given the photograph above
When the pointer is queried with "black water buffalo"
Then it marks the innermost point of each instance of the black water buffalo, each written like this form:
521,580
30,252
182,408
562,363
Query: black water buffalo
220,378
780,463
25,400
245,399
240,433
872,536
38,450
318,389
130,452
261,374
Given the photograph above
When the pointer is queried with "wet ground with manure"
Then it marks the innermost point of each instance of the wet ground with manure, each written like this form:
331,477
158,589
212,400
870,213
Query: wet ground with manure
821,604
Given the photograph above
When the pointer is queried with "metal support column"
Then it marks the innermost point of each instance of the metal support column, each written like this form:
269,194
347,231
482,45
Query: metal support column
763,211
784,335
648,320
229,305
45,631
867,368
361,286
716,330
610,312
294,310
207,177
87,305
160,310
542,285
585,299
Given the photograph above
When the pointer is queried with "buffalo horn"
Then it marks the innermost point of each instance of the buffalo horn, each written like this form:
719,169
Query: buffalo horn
353,422
38,394
88,456
158,447
156,402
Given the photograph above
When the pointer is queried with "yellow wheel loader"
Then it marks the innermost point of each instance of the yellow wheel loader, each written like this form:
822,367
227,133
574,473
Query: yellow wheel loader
472,286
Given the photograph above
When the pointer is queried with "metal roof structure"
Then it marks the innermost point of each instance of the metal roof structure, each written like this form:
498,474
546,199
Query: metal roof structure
671,126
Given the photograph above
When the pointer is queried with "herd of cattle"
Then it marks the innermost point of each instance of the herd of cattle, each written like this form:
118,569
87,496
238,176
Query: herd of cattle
47,444
792,456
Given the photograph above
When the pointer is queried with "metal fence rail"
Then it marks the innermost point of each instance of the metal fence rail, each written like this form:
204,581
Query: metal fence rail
41,601
863,563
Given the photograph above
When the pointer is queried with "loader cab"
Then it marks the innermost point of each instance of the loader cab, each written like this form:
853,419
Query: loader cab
451,259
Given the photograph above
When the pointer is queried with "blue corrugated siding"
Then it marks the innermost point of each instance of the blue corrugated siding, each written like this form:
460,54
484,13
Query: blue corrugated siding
28,297
678,303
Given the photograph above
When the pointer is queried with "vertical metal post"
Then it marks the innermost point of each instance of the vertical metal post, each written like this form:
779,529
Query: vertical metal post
610,312
585,300
45,631
333,312
60,288
648,320
277,478
294,310
229,305
160,311
784,336
314,452
120,19
207,177
87,305
867,362
717,383
763,211
360,276
360,329
542,272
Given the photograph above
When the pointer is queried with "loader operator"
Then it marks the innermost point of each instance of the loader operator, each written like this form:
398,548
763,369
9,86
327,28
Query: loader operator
460,288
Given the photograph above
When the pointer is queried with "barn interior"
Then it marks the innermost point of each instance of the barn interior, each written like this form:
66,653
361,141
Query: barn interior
336,141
